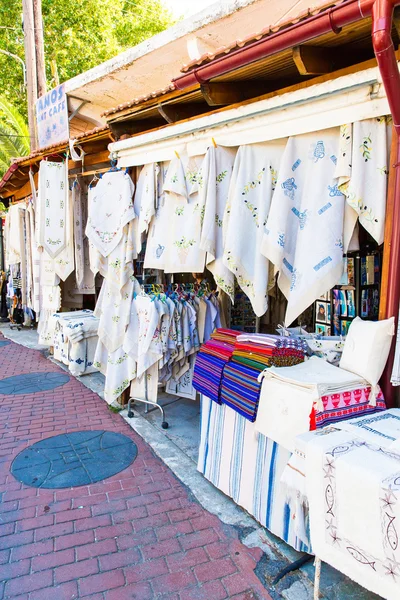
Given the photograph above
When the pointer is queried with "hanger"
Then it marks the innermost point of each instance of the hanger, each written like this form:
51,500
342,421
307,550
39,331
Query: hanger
176,154
214,142
113,168
95,178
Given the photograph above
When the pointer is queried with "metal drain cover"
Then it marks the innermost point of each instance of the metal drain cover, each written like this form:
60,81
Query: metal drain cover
74,459
30,383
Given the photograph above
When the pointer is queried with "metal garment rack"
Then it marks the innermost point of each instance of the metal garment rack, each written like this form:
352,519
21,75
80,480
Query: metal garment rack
147,402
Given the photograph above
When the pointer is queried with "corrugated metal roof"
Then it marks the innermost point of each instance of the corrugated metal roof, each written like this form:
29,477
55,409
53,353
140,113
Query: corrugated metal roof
265,32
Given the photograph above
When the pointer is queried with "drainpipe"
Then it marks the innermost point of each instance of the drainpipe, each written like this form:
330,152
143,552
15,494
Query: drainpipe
382,15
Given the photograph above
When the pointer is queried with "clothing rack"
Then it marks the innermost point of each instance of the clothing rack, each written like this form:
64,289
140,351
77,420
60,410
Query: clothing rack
156,289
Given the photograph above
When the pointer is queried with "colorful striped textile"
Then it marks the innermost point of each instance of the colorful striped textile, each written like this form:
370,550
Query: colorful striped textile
240,389
225,335
210,362
247,467
207,375
346,405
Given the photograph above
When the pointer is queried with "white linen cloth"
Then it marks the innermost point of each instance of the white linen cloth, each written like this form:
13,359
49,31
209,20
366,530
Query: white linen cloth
64,262
118,368
304,231
157,239
50,303
363,171
182,183
253,182
14,234
353,493
53,206
145,200
288,395
217,172
78,232
110,209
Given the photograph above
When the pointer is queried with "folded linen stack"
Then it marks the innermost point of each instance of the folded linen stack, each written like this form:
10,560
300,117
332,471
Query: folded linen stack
210,363
291,396
274,350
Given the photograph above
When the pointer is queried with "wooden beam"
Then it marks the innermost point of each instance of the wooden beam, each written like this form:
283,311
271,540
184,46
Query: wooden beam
313,60
388,227
396,19
177,112
134,126
91,159
221,94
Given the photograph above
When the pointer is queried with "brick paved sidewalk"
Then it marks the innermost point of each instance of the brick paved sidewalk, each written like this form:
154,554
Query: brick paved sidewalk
138,534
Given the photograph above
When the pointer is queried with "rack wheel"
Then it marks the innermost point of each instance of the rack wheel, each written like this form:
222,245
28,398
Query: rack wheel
131,414
164,425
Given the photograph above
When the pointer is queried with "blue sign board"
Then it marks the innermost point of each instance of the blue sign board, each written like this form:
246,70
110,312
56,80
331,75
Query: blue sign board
52,117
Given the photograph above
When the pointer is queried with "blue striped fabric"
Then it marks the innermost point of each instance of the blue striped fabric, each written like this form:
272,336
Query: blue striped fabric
240,389
207,375
248,467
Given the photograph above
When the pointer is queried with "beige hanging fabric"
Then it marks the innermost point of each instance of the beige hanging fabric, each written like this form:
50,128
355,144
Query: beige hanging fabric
53,201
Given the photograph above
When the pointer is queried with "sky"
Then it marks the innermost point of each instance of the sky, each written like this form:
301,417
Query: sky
187,8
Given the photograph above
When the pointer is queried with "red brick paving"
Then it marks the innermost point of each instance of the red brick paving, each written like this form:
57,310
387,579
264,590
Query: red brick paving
136,535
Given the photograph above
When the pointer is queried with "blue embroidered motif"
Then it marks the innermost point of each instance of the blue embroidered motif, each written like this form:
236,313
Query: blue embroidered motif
339,243
302,216
322,263
334,191
288,265
281,240
267,231
160,249
289,186
79,361
319,151
333,159
363,424
296,164
324,208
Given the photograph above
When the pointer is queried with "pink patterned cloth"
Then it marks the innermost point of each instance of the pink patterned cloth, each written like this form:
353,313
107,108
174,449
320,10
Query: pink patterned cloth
346,405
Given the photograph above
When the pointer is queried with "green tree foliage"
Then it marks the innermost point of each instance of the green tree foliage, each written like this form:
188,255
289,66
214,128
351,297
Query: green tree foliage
79,34
14,135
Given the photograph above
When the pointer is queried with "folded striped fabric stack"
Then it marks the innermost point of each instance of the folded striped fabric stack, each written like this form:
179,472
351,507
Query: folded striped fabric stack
210,363
253,353
240,389
275,350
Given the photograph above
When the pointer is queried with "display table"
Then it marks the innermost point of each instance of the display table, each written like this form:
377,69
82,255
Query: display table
75,339
247,466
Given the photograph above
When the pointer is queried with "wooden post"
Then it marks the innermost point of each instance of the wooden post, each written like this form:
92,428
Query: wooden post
388,227
39,43
30,61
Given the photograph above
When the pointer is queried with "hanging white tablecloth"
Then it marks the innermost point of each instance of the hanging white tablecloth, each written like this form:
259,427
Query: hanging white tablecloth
53,206
182,184
252,184
353,492
157,239
363,171
14,234
304,232
217,172
110,209
145,200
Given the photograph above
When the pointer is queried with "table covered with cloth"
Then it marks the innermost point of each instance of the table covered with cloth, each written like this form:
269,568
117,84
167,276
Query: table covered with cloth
75,340
247,466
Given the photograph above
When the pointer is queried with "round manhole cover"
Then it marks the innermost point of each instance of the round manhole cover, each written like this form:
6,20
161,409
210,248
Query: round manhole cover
74,459
2,344
30,383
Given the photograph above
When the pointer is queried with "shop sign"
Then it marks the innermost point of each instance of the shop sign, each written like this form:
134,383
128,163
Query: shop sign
52,117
